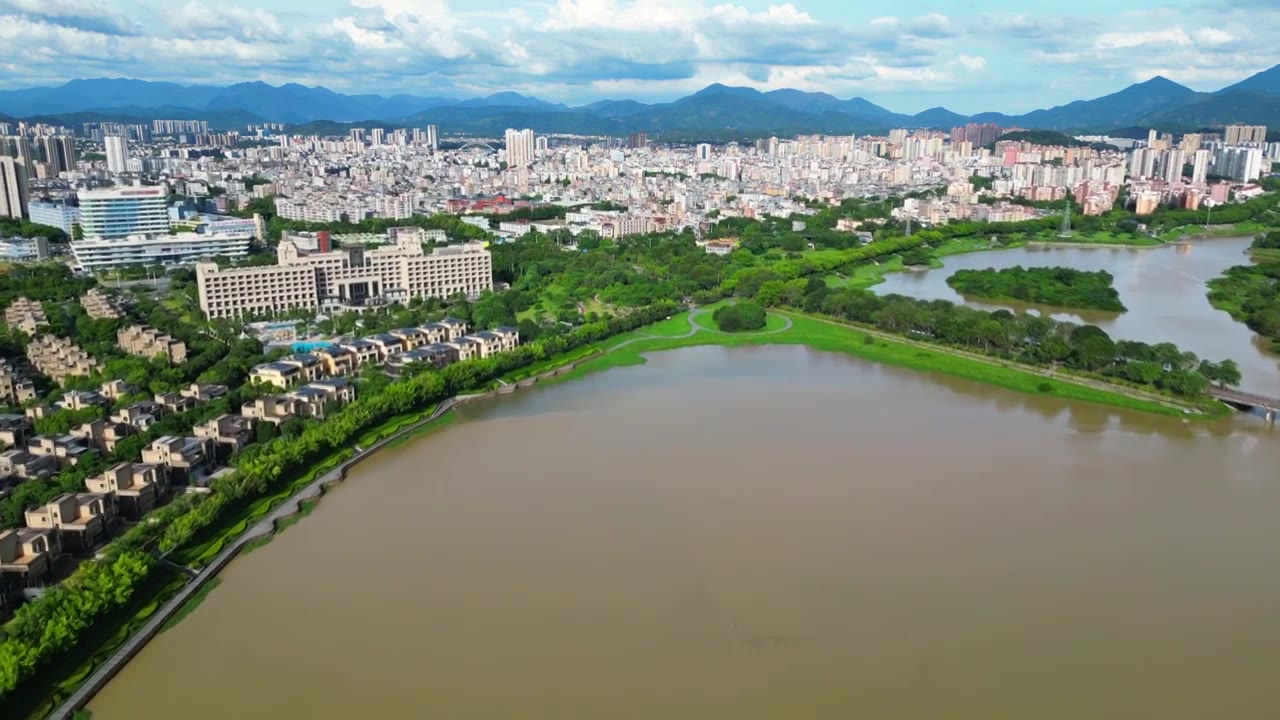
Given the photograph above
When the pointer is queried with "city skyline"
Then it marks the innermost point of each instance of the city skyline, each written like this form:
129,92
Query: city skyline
911,55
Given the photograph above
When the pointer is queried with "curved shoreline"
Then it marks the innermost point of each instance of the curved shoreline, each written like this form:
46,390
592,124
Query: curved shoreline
268,526
265,528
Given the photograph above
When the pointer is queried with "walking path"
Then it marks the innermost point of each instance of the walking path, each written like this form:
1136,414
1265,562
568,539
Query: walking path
264,528
695,328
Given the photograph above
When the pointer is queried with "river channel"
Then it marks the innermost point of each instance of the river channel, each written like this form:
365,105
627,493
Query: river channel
1162,287
749,533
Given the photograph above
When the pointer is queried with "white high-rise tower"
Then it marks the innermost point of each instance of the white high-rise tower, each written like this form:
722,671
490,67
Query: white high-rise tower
117,153
520,147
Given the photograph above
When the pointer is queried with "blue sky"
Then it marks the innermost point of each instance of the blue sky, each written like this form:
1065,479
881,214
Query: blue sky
908,55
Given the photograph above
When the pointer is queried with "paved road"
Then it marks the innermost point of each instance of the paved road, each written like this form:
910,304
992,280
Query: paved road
263,528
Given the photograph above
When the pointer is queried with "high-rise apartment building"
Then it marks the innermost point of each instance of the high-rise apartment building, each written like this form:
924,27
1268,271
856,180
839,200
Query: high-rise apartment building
357,134
1242,134
637,140
1200,166
13,188
520,147
174,127
978,134
1171,162
118,213
60,152
1239,163
704,151
117,153
18,148
377,136
433,137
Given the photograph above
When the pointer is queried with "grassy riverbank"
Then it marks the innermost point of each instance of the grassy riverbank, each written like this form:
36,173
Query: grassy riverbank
831,336
62,678
1243,229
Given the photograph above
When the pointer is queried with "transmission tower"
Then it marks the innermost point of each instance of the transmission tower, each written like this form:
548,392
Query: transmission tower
908,228
1066,219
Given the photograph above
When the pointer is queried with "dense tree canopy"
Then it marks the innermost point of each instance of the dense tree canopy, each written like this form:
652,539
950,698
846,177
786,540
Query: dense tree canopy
1059,286
739,317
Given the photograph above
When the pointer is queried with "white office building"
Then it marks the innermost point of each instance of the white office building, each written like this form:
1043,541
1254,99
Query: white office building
122,212
180,249
24,249
130,226
54,214
117,147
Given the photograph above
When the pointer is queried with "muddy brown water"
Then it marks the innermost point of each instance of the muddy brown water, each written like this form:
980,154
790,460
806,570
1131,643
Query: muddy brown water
758,533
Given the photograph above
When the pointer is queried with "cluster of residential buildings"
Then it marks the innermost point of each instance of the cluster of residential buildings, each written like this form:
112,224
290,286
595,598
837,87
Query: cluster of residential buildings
59,358
309,385
78,522
378,173
147,342
15,388
434,344
25,315
101,305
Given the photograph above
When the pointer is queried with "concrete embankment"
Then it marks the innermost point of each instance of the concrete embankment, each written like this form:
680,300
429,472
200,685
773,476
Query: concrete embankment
262,529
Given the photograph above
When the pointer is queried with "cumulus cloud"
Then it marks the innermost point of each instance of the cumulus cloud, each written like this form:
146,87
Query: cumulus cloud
585,49
73,14
198,20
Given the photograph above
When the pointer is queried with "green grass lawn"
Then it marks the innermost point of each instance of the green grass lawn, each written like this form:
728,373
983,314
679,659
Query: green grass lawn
677,325
868,275
1242,229
960,246
1102,238
1265,254
830,337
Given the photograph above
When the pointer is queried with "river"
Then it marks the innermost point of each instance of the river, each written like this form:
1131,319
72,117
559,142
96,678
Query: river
1162,287
753,533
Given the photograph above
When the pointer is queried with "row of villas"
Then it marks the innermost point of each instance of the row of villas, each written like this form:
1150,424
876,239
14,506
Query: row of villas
437,344
78,522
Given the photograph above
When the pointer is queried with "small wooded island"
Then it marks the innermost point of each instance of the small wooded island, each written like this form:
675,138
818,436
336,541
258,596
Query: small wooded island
1062,287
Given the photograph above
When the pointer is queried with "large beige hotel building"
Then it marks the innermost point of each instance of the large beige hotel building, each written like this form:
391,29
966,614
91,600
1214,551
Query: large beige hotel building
347,278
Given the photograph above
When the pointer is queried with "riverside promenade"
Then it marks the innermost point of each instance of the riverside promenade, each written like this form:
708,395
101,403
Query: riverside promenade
263,528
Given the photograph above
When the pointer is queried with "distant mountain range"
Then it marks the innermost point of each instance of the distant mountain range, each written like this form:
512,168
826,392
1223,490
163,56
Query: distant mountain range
715,112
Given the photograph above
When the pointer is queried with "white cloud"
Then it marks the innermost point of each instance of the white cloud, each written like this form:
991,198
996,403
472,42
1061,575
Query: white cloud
1173,36
198,20
76,14
1213,36
584,49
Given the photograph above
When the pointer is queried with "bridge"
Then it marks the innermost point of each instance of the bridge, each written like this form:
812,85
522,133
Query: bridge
1270,407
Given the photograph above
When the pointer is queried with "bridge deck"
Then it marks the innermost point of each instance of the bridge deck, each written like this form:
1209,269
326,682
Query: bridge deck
1244,398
